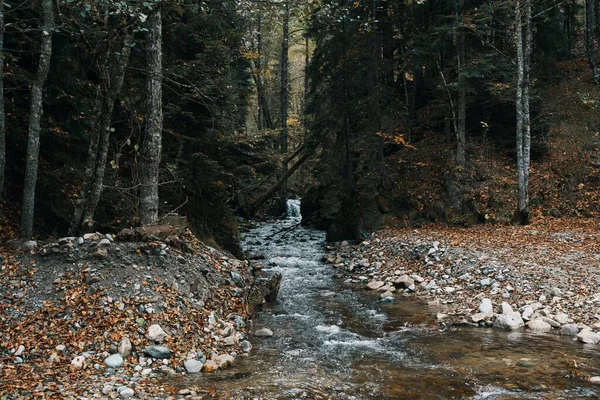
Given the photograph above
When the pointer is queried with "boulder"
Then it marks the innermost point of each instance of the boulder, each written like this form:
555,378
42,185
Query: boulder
588,336
539,325
511,321
264,332
114,361
486,307
193,366
155,333
374,285
160,352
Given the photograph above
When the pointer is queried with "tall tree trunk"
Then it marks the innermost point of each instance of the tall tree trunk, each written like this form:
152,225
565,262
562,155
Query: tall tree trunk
524,49
2,112
152,146
284,95
348,164
35,117
259,87
462,91
524,211
285,45
112,75
590,38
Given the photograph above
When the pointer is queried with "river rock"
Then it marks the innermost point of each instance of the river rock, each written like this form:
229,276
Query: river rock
246,346
193,366
527,313
114,361
432,285
594,379
160,352
30,245
538,325
230,340
562,318
104,243
264,332
125,347
405,282
210,366
511,321
507,309
385,295
479,317
374,285
588,336
224,361
485,307
551,322
126,392
155,333
569,330
78,362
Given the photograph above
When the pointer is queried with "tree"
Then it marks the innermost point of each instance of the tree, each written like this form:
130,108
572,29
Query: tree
2,112
524,49
284,94
112,74
152,146
462,91
590,38
35,116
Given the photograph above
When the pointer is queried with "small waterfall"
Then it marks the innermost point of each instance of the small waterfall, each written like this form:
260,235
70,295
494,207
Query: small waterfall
293,208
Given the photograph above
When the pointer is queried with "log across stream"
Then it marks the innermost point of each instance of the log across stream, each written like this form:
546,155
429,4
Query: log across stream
333,342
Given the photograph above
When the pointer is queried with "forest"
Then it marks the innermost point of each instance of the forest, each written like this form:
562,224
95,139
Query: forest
166,132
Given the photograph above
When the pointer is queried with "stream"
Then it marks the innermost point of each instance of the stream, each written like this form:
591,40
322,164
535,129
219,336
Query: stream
335,341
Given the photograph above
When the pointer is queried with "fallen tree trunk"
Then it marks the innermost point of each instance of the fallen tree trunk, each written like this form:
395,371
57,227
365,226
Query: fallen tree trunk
269,193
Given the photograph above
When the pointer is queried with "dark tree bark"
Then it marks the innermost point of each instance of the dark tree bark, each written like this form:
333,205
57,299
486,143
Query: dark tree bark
462,91
112,75
524,49
2,112
258,79
590,38
35,117
283,138
152,146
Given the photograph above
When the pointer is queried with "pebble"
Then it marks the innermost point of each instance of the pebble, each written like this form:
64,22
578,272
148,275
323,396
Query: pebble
569,330
20,350
78,362
246,346
126,393
125,347
160,352
193,366
512,321
155,333
264,332
538,325
485,307
589,337
114,361
224,361
210,366
374,285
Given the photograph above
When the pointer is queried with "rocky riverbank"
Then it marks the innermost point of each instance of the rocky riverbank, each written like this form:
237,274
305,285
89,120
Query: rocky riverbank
543,277
113,317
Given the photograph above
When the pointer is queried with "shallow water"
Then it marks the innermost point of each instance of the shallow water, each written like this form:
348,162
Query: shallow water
335,341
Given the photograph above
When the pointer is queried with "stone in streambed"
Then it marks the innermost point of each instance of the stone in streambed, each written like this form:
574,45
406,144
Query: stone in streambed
114,361
511,321
210,366
264,332
569,330
193,366
539,325
588,336
374,285
125,347
160,352
155,333
486,307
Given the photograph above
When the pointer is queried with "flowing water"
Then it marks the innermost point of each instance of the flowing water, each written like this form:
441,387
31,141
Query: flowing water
335,341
